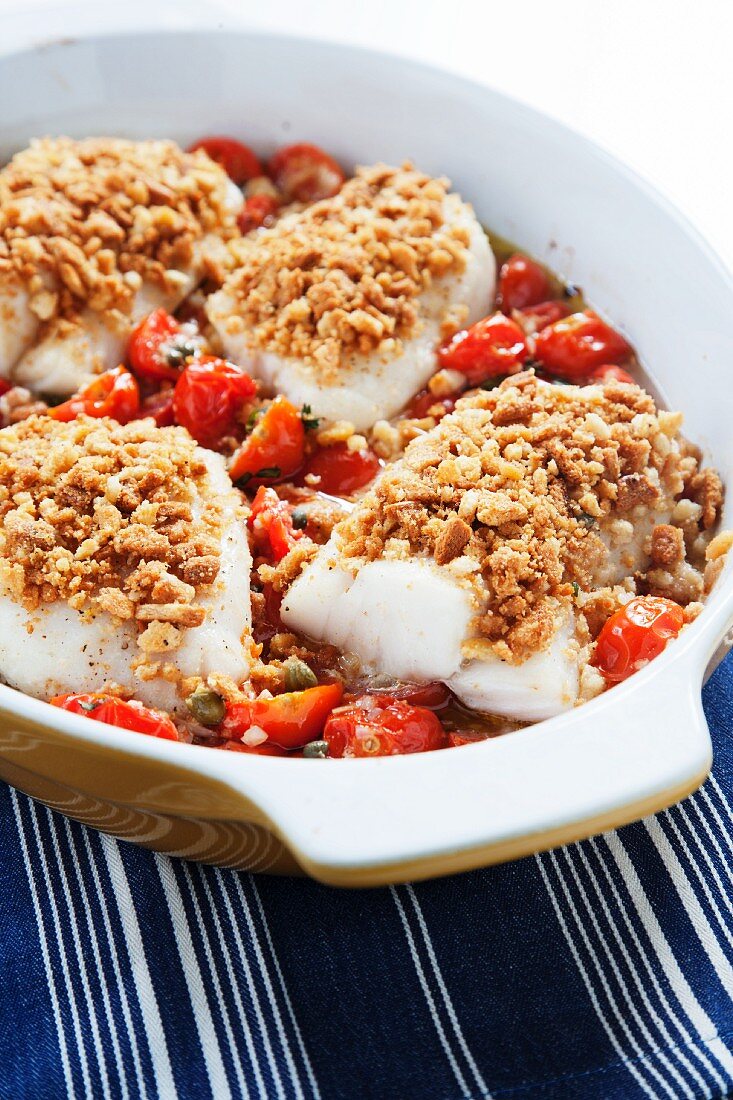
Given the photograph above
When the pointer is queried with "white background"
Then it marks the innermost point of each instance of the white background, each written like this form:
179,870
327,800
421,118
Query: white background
648,79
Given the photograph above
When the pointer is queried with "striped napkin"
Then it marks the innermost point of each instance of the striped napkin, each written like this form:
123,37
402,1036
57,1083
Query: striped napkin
602,970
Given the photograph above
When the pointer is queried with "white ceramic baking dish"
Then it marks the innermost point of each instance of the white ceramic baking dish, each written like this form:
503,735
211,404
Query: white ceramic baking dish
632,751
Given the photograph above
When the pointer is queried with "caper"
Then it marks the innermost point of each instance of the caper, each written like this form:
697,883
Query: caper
179,353
316,750
206,705
300,519
298,675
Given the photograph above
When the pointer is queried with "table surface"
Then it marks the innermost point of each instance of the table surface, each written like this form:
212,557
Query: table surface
648,81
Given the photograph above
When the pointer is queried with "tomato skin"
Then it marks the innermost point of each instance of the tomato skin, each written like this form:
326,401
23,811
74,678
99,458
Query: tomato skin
533,319
127,715
277,442
433,695
5,386
609,372
265,749
207,397
422,403
143,346
370,726
342,471
522,282
114,393
160,407
575,345
636,634
290,720
258,210
237,160
304,173
272,523
491,347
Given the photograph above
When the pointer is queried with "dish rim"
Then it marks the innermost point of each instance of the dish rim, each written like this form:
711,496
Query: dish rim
253,777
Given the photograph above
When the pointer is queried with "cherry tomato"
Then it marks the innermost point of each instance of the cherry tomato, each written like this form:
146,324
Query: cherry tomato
5,386
427,404
290,720
114,393
609,372
117,712
144,352
207,397
573,346
272,524
265,749
237,160
635,635
304,173
267,623
160,407
372,727
275,447
534,318
522,282
491,347
258,210
342,471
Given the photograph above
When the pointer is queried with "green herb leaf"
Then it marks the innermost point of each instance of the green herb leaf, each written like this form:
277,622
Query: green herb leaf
310,422
576,588
492,383
268,471
252,419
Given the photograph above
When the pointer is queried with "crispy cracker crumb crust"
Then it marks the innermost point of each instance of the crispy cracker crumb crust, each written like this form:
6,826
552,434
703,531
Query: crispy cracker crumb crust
344,275
108,518
518,481
83,222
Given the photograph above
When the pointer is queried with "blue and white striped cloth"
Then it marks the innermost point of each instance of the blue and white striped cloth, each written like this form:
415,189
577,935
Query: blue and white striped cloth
602,970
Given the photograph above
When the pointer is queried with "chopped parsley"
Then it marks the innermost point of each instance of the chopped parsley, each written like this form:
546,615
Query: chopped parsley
268,471
310,422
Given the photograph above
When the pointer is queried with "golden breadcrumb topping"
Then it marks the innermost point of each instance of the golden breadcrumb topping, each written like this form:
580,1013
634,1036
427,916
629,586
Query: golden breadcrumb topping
344,274
513,490
83,222
108,518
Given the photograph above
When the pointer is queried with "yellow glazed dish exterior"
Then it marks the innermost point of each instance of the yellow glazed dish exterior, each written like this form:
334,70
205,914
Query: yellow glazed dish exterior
632,751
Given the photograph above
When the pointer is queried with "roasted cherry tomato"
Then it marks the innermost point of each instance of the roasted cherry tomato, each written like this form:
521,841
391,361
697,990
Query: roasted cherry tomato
522,282
456,739
427,404
491,347
304,173
117,712
237,160
208,396
575,345
5,386
373,727
160,407
609,372
258,210
114,393
274,449
272,524
148,345
342,471
265,749
290,720
636,634
534,318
